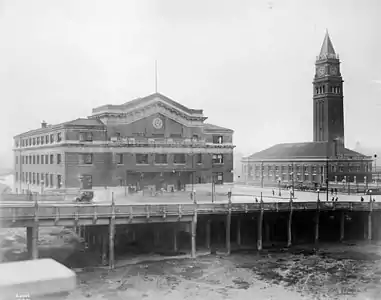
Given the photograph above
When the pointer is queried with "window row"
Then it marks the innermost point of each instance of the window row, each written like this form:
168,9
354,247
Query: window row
303,169
180,158
331,89
39,159
39,179
40,140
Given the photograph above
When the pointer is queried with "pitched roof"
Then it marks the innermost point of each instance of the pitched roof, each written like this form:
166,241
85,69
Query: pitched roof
299,150
327,47
76,122
212,127
140,101
85,122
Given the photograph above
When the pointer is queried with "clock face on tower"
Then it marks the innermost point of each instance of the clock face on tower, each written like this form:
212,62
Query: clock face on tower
334,70
321,71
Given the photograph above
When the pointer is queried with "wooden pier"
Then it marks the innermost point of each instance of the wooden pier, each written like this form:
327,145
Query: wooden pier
35,215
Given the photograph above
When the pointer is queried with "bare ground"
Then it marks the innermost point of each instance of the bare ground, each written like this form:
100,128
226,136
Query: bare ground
341,271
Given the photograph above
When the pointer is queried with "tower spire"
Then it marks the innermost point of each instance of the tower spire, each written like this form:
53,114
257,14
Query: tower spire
327,50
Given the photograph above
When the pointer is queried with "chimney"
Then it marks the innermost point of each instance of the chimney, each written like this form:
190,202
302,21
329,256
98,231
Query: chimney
43,124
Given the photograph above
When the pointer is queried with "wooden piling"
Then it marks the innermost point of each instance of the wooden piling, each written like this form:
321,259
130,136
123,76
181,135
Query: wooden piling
175,247
317,222
35,231
289,225
370,221
193,234
259,227
228,228
112,235
238,232
342,226
104,246
208,230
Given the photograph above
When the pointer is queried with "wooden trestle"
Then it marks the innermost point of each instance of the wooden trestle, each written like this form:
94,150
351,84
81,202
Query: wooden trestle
79,215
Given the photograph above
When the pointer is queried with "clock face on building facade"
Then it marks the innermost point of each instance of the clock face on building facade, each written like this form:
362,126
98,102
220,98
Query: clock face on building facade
321,71
334,70
157,123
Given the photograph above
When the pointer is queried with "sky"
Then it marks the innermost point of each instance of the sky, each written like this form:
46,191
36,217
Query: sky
249,64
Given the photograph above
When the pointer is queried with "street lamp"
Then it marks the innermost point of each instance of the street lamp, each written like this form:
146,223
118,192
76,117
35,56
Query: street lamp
292,181
370,195
280,194
318,191
375,168
42,186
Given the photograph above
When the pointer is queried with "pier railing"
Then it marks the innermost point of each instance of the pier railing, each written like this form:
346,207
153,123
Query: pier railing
56,212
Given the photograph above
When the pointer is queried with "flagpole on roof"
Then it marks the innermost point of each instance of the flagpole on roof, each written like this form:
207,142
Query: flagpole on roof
155,76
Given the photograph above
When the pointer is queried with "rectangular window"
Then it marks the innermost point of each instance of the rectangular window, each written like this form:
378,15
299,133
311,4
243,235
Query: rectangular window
46,179
217,159
59,137
341,169
46,159
42,159
46,139
218,139
51,159
198,158
142,159
38,159
17,176
89,136
161,159
86,136
34,141
17,160
314,169
305,169
58,159
38,140
195,138
82,136
119,158
218,177
179,158
59,181
42,178
52,138
88,159
51,180
42,140
34,178
38,178
357,168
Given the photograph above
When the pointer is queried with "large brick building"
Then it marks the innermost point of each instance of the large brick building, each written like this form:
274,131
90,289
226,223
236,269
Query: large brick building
324,158
150,141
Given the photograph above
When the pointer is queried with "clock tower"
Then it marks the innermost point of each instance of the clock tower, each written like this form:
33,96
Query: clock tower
328,111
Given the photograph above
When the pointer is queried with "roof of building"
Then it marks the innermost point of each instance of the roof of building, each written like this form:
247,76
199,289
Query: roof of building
299,150
140,101
76,122
327,47
212,127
